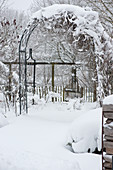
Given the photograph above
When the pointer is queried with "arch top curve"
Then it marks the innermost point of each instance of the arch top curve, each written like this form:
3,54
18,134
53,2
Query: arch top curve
75,20
25,37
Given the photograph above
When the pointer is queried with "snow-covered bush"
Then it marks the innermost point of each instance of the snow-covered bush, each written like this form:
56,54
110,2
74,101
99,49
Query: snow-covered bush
35,100
75,103
8,90
85,132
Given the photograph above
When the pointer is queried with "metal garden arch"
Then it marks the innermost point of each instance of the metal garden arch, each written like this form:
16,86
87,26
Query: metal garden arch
23,58
65,18
78,23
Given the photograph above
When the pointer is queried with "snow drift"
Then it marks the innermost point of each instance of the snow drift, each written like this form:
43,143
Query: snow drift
85,132
3,120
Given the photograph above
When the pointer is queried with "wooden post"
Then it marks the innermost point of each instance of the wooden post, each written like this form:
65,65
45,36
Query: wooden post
52,80
86,93
10,76
63,93
107,137
112,162
53,77
95,93
81,92
74,78
91,95
77,87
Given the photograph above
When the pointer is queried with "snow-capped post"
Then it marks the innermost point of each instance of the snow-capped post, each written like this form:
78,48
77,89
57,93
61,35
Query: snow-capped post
107,134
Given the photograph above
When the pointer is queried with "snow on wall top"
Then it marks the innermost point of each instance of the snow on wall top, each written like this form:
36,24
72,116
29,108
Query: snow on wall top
108,100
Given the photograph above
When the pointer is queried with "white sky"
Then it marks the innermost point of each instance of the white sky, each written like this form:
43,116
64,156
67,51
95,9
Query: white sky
20,4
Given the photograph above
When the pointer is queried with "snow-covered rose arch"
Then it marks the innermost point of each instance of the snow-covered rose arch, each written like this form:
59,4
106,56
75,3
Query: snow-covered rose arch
82,27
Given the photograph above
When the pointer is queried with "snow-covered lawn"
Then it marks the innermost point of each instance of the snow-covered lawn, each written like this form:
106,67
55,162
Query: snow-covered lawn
37,141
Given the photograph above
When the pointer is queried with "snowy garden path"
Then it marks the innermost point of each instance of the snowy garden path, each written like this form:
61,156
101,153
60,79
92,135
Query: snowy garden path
37,142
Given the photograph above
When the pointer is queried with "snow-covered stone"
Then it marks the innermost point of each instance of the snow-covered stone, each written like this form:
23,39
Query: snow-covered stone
85,132
108,100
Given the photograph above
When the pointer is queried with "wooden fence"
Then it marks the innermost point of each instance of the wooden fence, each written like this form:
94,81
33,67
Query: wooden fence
107,138
49,93
60,93
88,94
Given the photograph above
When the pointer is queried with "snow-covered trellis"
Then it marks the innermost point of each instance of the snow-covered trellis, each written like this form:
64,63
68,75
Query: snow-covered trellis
82,30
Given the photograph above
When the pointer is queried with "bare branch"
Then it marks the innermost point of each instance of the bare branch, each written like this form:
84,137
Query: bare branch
106,7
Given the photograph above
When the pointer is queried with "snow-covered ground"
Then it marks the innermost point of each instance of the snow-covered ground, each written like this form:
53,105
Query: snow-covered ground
37,141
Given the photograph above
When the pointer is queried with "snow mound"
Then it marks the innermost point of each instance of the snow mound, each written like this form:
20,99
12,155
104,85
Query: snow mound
3,121
33,161
108,100
85,132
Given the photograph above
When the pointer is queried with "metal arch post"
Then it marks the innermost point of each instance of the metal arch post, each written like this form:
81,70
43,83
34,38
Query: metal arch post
20,81
25,62
26,105
20,71
24,39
